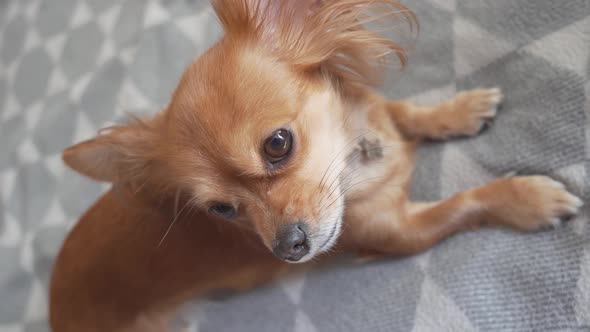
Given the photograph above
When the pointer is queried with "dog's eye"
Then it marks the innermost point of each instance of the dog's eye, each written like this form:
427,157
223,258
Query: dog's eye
223,210
278,145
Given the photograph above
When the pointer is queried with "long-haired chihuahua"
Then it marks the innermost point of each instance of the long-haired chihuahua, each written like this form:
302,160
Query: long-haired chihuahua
273,150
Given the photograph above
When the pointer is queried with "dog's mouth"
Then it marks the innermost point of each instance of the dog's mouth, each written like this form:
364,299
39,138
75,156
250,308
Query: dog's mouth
306,238
326,242
329,242
324,238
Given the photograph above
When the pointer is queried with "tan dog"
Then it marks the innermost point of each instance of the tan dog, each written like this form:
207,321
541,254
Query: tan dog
272,143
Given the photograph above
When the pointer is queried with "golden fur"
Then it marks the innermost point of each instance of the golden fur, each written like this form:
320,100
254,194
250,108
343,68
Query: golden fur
307,65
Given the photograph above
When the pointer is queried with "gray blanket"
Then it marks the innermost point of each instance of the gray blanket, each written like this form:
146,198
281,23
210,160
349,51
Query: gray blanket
68,67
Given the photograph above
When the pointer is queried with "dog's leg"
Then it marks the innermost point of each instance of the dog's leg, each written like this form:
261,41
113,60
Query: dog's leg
523,203
463,115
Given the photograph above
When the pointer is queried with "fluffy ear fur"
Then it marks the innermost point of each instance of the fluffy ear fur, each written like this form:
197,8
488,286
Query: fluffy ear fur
329,36
118,152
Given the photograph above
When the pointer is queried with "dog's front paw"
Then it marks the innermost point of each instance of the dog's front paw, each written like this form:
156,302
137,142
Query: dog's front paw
534,202
474,109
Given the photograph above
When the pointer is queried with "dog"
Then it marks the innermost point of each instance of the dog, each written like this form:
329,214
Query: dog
273,150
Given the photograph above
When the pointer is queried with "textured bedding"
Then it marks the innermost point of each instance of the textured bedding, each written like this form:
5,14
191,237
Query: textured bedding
68,67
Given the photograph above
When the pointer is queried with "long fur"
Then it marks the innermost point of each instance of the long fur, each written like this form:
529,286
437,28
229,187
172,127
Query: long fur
328,36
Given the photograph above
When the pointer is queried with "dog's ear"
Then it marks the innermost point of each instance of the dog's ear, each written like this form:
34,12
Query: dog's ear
327,36
118,152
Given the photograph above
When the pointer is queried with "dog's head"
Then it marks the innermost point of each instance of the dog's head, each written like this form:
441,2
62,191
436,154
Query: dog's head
254,130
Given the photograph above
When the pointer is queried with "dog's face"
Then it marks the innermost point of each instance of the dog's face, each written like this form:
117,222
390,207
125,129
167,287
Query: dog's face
254,131
257,144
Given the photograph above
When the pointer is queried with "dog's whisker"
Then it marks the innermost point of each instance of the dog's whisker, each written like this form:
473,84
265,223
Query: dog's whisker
346,178
354,174
346,190
174,221
346,145
331,190
340,174
354,158
140,187
326,173
369,180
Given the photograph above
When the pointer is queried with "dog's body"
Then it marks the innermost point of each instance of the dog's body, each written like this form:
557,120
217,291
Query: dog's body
336,167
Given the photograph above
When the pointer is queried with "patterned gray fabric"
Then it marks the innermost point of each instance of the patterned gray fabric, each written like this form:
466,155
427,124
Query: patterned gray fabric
68,67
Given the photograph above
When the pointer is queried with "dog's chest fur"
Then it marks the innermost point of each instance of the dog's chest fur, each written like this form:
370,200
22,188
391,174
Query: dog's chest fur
368,159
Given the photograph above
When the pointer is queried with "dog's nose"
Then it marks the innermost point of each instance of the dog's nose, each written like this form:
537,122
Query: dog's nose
291,242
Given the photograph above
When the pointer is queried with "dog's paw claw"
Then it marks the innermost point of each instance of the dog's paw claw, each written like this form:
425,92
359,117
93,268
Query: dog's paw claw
495,96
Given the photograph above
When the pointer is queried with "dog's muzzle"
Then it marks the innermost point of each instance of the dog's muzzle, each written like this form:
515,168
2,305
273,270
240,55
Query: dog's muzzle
291,242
